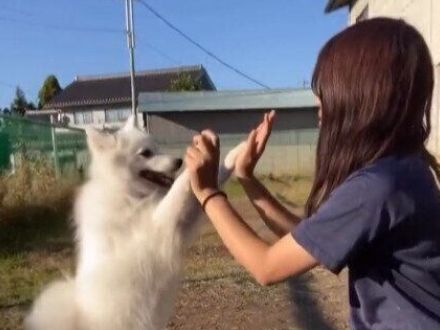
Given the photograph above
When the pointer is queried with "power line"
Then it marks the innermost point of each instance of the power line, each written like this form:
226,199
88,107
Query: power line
88,29
61,27
198,45
15,10
159,51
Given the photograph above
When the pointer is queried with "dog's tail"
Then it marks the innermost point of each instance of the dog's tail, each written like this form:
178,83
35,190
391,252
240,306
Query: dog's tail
54,309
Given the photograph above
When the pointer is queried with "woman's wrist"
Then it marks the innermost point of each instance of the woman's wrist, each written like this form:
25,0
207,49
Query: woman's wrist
245,177
203,194
212,196
243,174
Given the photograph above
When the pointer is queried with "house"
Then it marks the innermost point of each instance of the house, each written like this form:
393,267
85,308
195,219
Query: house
106,100
422,14
174,118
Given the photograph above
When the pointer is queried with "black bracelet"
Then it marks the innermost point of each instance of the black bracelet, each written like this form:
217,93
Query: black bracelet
215,193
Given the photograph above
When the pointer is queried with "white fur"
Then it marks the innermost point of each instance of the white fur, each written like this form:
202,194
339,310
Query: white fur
130,236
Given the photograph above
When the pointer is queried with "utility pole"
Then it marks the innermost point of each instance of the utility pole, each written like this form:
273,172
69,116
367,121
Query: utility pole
131,46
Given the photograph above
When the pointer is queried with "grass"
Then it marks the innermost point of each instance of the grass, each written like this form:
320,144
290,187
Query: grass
35,237
36,247
292,191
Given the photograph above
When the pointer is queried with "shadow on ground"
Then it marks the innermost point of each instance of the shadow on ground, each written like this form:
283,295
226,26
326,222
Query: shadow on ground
285,201
304,307
34,228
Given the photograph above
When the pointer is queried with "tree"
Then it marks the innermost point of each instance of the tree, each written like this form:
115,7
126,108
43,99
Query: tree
51,87
184,82
19,104
31,106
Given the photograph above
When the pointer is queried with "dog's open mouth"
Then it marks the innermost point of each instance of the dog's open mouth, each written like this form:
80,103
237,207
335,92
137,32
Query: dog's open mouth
158,178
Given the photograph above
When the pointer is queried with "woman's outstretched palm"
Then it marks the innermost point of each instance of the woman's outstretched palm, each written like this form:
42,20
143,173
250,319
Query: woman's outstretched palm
255,145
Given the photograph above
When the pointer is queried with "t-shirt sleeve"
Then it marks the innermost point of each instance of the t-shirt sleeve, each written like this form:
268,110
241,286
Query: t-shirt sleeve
344,225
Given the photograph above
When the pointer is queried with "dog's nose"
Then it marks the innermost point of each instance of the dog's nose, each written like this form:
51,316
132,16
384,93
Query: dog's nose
178,163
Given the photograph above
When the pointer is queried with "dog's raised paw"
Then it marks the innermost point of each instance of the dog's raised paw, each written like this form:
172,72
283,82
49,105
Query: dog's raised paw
232,155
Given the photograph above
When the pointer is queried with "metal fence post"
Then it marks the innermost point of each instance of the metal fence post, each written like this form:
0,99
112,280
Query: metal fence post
54,147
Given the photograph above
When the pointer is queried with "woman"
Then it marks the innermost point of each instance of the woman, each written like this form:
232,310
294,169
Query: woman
374,206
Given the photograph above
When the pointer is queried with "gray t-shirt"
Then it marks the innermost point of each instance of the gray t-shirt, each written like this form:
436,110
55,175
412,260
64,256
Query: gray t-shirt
383,223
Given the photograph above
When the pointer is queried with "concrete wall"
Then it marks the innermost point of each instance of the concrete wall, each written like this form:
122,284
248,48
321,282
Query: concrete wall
425,16
291,149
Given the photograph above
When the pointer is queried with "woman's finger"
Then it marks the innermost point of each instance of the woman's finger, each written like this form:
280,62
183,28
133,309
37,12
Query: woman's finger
269,120
271,115
201,143
196,139
194,152
251,143
266,130
211,136
205,146
212,141
263,125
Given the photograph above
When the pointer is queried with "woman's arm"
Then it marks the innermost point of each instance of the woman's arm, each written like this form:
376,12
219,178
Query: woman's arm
280,220
268,264
277,218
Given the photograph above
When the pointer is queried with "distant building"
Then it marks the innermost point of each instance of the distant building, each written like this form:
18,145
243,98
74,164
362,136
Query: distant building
174,118
422,14
106,100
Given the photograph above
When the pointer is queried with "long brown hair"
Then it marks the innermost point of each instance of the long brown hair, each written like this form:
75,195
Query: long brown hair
375,83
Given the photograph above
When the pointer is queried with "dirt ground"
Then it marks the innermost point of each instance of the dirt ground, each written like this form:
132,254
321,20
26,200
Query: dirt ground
216,292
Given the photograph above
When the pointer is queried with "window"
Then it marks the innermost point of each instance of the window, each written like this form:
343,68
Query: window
83,117
116,115
363,15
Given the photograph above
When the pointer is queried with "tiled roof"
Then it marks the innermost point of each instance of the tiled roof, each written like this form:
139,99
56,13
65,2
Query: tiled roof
115,89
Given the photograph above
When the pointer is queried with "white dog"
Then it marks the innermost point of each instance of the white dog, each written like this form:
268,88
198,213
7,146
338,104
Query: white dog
132,224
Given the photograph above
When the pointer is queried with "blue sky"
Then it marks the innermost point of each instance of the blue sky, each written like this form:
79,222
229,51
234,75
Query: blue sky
274,41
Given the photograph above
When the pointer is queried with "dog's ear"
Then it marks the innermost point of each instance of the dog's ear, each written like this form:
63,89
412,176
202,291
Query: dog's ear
130,123
99,140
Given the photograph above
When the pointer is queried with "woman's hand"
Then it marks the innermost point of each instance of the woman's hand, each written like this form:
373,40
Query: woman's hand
202,161
255,145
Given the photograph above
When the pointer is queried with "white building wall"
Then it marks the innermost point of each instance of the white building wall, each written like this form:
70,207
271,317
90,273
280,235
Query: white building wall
357,9
99,119
425,16
71,119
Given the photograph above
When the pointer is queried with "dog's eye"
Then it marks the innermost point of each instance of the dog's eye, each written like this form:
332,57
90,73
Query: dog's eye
147,153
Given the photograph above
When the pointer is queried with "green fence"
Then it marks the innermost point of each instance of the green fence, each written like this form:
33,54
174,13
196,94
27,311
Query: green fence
64,148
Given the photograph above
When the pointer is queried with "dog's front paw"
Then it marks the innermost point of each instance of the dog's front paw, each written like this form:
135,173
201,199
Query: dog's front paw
232,155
